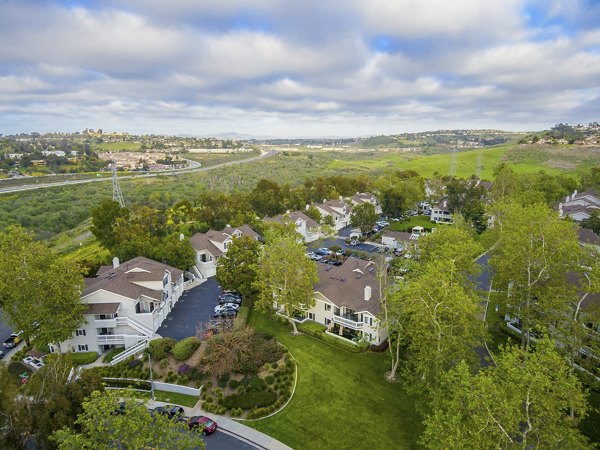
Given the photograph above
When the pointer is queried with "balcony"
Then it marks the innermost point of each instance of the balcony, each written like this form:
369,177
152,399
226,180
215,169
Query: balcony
348,320
105,323
111,339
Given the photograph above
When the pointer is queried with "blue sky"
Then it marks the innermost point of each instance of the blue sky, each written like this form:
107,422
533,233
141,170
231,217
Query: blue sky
297,68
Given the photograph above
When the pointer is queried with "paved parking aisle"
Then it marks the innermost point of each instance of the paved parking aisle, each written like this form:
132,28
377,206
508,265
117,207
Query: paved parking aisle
195,306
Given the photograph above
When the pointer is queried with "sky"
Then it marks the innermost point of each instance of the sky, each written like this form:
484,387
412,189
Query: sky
303,68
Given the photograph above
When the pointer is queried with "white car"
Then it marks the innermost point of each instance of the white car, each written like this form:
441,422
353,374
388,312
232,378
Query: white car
382,224
227,306
34,363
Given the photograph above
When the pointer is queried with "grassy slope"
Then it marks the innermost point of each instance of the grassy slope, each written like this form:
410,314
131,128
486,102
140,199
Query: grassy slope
117,146
341,400
522,158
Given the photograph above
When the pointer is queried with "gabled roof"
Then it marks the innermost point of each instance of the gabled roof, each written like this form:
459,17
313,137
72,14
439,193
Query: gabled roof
401,235
362,197
204,241
345,285
293,217
587,236
123,279
333,206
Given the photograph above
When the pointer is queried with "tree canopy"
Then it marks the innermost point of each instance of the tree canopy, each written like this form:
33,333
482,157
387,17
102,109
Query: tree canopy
237,269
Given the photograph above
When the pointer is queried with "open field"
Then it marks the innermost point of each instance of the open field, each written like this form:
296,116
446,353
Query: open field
481,162
341,400
117,146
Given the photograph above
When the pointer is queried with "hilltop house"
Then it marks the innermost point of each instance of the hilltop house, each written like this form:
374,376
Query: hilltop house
366,197
126,303
210,246
347,301
440,213
580,206
306,227
339,211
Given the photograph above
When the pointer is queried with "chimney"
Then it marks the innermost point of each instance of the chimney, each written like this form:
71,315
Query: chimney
115,262
307,207
367,293
341,198
181,237
287,212
574,193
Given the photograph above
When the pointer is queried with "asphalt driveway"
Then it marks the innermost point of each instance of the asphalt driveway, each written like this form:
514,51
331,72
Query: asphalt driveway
195,307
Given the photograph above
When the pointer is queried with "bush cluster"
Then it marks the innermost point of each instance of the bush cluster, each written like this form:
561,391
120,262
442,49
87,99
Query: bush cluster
83,358
233,384
160,348
213,408
185,348
250,399
242,318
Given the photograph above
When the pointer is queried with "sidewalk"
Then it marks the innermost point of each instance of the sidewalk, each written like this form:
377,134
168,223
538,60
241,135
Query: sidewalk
230,426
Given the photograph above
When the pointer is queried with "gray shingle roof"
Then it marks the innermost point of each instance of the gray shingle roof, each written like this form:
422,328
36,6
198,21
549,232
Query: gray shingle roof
345,285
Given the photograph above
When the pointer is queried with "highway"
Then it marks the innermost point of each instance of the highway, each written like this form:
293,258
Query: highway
196,168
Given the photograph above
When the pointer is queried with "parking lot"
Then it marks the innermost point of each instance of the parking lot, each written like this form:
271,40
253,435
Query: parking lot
194,308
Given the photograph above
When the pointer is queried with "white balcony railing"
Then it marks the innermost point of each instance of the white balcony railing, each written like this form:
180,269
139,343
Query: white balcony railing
111,339
105,323
348,322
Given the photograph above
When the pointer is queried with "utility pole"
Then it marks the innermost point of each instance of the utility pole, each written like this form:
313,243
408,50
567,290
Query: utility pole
117,195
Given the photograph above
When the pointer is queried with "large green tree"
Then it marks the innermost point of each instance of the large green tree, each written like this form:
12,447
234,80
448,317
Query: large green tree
364,216
534,253
286,276
527,400
39,293
237,269
399,192
104,218
99,427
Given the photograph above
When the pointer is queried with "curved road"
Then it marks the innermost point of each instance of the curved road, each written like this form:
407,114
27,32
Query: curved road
28,187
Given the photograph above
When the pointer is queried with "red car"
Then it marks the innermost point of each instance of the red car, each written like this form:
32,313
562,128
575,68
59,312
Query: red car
208,425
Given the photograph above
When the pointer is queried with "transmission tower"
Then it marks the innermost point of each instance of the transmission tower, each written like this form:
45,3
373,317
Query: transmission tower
117,195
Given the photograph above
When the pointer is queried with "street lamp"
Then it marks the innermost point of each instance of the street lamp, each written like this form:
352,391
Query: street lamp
151,381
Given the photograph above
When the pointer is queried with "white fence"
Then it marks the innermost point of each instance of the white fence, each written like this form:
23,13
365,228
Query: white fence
159,386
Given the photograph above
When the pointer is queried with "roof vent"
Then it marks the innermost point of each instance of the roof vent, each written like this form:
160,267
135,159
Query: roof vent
367,293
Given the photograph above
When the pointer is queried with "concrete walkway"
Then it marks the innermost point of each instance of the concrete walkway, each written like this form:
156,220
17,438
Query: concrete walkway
229,426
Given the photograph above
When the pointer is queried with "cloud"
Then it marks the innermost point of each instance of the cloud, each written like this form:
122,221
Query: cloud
301,68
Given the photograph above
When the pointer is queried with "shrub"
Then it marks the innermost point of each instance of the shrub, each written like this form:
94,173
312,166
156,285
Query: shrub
312,328
242,318
83,358
223,379
209,384
250,399
185,348
233,384
160,348
195,374
236,412
257,384
141,384
274,365
134,363
183,369
269,379
213,408
109,355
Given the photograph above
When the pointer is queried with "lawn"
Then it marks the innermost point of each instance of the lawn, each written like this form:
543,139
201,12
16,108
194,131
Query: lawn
341,399
414,221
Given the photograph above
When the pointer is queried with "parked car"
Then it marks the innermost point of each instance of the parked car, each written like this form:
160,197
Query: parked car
34,363
323,251
316,257
227,298
12,340
382,224
159,411
226,313
176,412
234,293
353,242
227,306
208,425
334,262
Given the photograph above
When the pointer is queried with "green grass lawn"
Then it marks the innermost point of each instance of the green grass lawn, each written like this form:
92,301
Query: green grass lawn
341,401
414,221
167,397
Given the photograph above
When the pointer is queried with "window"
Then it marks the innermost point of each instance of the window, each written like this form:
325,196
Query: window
327,322
82,348
80,333
368,320
327,307
311,316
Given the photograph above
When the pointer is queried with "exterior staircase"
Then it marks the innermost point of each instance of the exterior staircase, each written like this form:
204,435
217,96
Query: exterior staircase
147,335
134,349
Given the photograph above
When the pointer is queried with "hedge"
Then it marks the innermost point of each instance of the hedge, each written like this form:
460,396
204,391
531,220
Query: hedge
83,358
159,348
185,348
242,318
317,330
134,384
250,399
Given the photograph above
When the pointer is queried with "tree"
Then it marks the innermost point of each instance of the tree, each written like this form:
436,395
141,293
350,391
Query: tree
104,218
176,252
399,192
101,427
266,198
237,269
440,319
364,216
286,276
534,252
528,400
313,213
39,293
593,222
